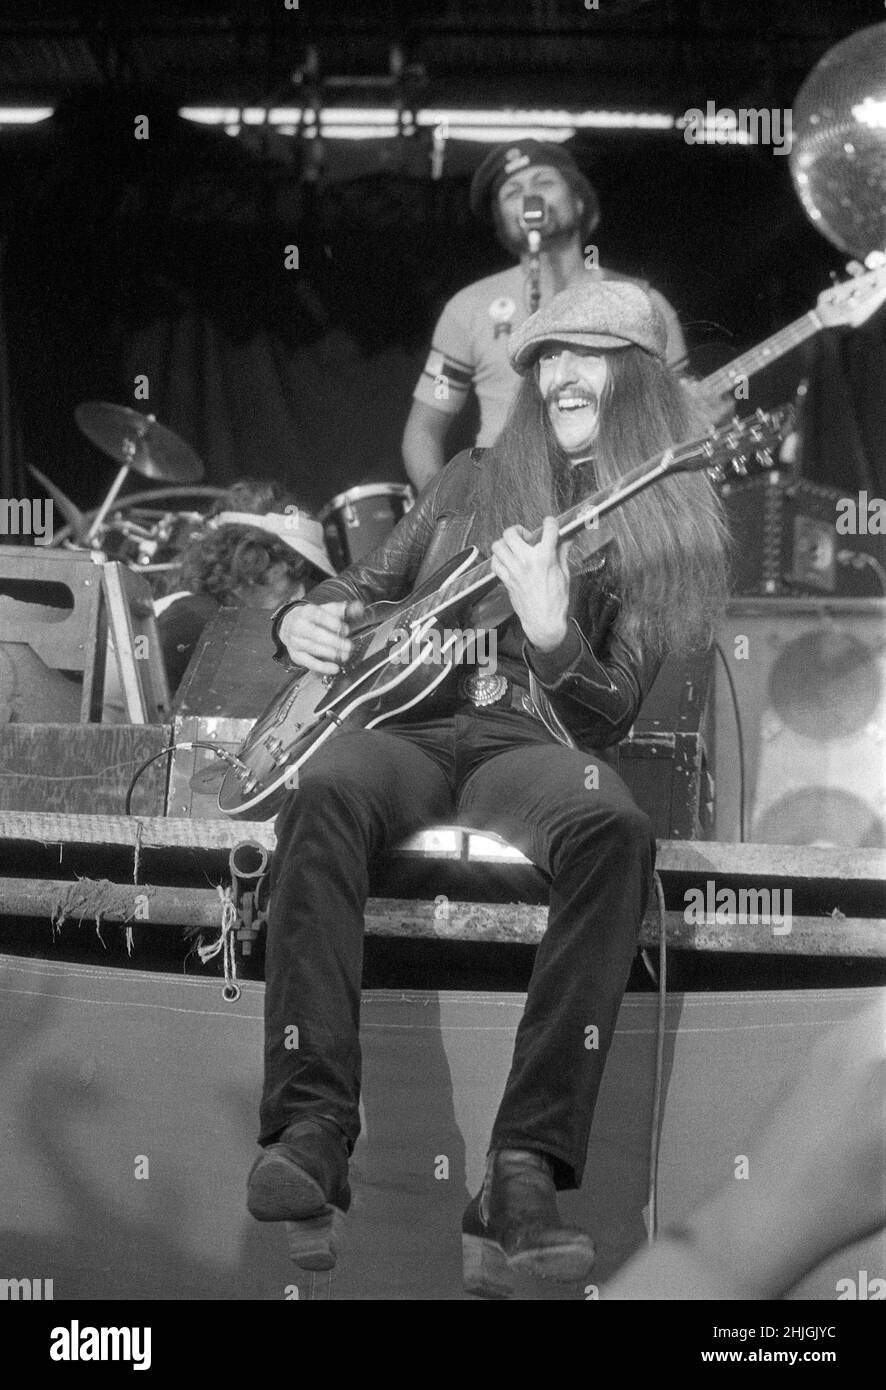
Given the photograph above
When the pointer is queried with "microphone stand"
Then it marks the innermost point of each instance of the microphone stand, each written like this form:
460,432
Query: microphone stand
534,239
531,217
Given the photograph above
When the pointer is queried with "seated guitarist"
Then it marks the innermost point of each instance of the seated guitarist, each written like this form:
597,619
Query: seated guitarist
521,753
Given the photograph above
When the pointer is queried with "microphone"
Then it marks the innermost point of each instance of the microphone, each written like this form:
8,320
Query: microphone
531,218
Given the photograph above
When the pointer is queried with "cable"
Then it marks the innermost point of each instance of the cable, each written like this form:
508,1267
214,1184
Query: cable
221,753
655,1135
858,559
739,738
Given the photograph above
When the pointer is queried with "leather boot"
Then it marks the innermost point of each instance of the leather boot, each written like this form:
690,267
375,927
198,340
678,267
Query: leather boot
302,1179
513,1224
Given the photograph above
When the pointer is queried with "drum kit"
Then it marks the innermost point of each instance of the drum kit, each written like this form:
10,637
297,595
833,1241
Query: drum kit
358,520
143,531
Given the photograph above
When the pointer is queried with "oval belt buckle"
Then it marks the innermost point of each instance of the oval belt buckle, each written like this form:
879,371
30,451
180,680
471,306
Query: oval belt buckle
485,690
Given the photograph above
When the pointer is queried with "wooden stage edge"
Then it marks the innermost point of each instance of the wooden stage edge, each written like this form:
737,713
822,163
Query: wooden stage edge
747,925
804,862
511,923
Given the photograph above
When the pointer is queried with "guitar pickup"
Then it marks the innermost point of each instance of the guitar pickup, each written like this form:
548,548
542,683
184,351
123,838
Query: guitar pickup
274,747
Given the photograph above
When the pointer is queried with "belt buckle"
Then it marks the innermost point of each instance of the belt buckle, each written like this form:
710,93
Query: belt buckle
484,690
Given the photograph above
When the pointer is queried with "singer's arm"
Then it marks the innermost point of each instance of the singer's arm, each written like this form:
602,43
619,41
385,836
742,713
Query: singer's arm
441,391
424,443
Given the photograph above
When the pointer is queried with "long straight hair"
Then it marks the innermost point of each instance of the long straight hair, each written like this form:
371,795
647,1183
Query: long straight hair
668,563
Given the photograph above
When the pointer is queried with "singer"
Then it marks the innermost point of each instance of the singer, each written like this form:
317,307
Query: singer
532,193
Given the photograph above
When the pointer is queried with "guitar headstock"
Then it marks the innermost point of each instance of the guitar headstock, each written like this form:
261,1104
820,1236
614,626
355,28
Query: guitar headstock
740,448
851,303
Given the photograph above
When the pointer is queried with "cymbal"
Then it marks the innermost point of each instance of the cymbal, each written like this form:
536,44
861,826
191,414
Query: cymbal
139,442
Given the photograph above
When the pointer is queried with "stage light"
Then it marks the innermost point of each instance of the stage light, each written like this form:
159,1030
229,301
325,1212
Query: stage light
211,115
24,115
517,120
497,135
493,126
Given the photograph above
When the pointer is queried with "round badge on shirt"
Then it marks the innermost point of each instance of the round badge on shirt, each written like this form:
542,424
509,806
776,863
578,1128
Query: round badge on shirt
502,311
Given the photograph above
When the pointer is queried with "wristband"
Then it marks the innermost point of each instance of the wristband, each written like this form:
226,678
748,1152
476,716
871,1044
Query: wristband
281,655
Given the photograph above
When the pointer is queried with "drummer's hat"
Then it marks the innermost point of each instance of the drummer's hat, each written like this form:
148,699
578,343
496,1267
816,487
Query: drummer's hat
294,527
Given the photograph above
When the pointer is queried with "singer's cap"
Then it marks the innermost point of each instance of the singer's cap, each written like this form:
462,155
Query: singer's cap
591,313
504,160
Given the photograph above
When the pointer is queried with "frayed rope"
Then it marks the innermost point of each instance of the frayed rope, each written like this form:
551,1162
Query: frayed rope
225,944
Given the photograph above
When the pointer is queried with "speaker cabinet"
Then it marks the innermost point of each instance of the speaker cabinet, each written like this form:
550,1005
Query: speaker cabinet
810,685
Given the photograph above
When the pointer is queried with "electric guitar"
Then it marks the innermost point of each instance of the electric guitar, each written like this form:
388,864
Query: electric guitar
847,305
403,650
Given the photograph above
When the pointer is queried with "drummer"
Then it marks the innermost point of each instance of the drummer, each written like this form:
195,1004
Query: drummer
259,547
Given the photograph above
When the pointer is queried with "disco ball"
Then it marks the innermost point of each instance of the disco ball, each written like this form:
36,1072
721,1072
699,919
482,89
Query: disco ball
838,149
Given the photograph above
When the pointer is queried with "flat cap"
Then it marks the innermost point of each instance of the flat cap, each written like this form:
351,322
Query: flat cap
591,313
504,160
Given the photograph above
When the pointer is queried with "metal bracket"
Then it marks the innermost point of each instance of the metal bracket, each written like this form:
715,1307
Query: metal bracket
248,862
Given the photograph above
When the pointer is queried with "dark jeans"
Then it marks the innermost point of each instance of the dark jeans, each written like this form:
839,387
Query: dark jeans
499,770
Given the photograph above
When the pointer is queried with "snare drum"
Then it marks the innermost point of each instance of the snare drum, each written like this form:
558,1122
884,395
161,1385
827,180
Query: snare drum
358,520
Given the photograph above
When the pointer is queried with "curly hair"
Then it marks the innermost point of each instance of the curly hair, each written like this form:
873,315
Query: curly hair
259,495
223,561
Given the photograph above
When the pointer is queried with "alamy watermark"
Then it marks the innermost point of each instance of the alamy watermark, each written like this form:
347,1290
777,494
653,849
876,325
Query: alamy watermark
76,1343
457,646
19,516
712,906
746,126
861,516
25,1290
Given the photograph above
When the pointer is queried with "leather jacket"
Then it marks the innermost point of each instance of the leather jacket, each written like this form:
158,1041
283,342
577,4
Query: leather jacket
587,691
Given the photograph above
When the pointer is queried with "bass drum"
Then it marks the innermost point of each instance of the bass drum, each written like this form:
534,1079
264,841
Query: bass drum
358,520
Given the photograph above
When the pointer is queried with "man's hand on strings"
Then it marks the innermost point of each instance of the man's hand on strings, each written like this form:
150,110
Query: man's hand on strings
316,634
537,581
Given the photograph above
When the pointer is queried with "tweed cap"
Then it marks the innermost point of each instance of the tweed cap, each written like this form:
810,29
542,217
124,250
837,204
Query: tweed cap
591,313
504,160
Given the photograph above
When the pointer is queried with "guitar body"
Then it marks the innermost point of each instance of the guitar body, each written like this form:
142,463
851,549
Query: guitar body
375,685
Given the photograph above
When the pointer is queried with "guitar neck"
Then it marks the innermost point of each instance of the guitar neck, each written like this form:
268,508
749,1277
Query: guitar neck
584,515
731,443
760,356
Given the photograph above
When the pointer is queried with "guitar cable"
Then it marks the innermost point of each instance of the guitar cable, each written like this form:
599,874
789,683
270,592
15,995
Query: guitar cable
185,747
739,739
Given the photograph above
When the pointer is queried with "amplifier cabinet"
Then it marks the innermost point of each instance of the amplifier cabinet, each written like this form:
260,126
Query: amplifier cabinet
810,681
663,760
788,541
667,775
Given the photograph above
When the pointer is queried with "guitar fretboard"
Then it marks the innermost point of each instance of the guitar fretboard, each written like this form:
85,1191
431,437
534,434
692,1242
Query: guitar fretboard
584,514
754,434
760,356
